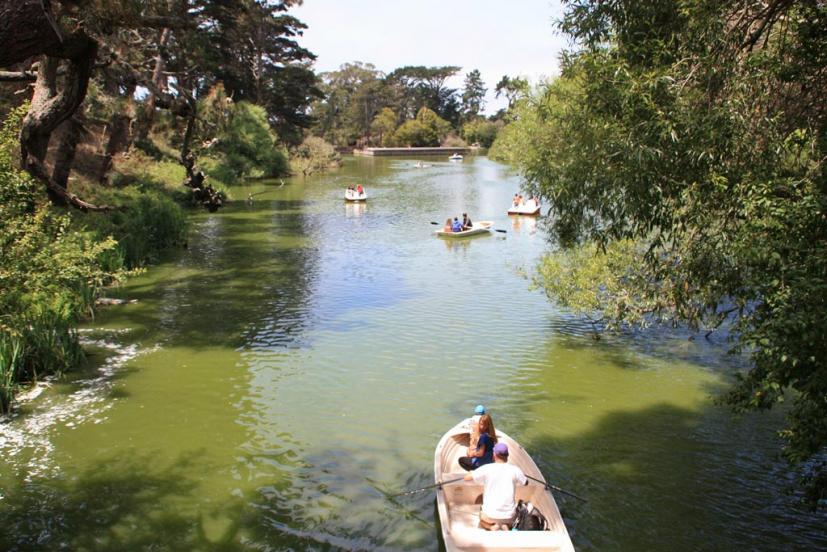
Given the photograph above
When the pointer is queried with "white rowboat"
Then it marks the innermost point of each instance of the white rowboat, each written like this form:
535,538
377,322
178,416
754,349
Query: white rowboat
353,196
459,503
481,227
455,157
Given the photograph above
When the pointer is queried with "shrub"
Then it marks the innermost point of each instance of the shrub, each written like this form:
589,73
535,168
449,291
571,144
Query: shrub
249,146
49,275
480,131
313,155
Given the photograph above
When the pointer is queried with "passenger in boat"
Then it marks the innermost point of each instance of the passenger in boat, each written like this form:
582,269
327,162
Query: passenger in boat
456,226
475,426
499,480
466,222
483,453
516,201
447,227
360,190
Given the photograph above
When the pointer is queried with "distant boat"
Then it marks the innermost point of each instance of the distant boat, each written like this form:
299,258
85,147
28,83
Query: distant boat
529,208
353,196
455,157
481,227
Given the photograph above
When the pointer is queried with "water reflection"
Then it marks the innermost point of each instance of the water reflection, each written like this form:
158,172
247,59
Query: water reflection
525,225
354,210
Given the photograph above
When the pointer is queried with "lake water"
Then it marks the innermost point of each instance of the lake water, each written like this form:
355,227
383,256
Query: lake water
299,360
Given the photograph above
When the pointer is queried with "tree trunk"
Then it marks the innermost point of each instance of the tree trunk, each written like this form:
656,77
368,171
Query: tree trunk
51,106
65,154
26,30
159,80
120,126
202,192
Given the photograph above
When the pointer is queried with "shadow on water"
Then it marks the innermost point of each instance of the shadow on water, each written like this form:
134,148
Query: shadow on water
661,479
240,268
127,502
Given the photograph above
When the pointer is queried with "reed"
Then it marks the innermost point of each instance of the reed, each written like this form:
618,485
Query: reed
11,353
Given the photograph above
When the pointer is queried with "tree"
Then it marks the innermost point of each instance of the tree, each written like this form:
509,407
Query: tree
177,49
512,89
473,95
428,129
420,86
255,55
351,99
313,155
687,185
481,131
384,124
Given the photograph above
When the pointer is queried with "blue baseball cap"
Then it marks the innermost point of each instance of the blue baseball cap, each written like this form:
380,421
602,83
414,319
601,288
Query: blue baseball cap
501,449
480,409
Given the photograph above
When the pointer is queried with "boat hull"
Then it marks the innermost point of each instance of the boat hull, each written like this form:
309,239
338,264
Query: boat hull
532,212
479,228
459,503
353,197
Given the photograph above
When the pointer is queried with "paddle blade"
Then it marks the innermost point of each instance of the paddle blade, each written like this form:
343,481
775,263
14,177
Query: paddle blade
435,223
500,231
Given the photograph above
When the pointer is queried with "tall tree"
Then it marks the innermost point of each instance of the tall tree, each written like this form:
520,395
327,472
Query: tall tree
688,185
425,87
512,88
352,98
473,95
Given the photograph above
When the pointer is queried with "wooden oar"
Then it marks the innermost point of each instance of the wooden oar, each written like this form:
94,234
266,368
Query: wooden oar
556,488
440,484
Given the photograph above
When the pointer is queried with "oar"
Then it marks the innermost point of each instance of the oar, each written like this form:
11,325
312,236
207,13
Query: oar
440,484
556,488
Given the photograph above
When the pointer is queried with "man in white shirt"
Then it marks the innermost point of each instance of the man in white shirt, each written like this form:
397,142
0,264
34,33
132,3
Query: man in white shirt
500,484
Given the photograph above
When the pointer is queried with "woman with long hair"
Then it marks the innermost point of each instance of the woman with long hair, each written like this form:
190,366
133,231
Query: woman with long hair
484,451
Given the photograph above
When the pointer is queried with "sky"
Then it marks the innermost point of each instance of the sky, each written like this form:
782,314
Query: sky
499,38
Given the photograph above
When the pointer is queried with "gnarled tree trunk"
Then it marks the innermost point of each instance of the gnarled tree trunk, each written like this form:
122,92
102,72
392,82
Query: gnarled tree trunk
54,101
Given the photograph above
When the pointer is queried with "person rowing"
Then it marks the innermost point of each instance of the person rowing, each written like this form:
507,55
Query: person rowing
499,481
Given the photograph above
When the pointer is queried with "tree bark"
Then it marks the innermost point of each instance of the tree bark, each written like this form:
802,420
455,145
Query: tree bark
120,126
159,85
202,192
26,30
52,105
65,153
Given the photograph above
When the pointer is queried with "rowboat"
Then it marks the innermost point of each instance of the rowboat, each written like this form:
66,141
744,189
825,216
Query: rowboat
353,196
459,503
528,209
481,227
455,157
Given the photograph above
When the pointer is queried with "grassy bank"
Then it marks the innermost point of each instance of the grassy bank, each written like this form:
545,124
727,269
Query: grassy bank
55,262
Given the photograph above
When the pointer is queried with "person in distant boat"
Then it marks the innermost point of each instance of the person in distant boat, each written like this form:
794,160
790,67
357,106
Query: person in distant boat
360,190
516,201
483,453
475,426
447,227
456,226
499,480
466,222
520,200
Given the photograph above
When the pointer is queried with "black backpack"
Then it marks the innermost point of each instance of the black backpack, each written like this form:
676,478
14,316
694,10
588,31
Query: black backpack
529,518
